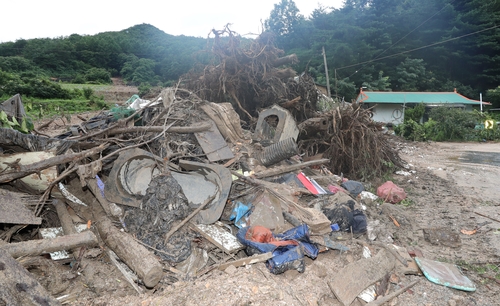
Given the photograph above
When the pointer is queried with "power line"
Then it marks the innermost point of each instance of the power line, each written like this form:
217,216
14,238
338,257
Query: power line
425,21
419,48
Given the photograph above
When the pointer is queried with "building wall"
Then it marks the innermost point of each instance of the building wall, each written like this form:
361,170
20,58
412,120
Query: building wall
388,113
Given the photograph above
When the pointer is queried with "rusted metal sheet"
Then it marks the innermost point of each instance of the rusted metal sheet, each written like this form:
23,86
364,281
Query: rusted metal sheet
13,209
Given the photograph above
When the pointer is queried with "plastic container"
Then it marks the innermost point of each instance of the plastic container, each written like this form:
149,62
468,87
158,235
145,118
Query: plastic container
335,227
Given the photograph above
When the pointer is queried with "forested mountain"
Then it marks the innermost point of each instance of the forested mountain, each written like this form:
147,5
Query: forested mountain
139,54
399,45
410,45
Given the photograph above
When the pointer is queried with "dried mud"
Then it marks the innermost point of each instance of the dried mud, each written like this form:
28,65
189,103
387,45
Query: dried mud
445,191
442,193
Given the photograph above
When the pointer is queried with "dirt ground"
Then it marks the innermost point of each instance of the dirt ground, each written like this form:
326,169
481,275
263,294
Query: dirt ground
450,186
447,185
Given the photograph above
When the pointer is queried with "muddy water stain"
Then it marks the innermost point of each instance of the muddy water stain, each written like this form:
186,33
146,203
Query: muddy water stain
483,158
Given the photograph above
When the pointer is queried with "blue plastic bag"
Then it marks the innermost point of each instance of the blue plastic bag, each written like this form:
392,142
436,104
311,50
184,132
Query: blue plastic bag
284,257
240,214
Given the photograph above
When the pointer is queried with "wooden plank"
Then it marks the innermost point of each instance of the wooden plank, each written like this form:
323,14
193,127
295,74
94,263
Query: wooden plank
218,236
13,209
349,282
247,261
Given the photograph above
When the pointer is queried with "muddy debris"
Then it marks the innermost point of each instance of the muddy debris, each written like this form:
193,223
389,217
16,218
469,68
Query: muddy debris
240,176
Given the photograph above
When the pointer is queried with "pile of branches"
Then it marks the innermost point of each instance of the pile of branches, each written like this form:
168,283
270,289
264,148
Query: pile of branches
354,144
251,75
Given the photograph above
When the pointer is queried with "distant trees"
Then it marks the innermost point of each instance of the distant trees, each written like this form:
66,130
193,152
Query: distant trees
424,45
402,39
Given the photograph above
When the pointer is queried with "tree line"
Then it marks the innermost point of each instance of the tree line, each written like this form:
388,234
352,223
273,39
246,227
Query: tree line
411,45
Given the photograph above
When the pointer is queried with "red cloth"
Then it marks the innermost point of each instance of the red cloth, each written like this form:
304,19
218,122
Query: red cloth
391,193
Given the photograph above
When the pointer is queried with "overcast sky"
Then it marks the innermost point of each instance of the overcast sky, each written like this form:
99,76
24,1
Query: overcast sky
28,19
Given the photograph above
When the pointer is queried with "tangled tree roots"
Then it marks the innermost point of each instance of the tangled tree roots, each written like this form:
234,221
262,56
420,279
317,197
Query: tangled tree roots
250,75
353,143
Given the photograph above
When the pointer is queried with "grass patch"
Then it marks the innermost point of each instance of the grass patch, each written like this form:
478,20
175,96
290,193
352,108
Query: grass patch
492,270
407,202
94,87
47,108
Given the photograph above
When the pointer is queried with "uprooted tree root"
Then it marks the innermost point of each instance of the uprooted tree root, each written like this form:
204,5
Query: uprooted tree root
250,75
353,143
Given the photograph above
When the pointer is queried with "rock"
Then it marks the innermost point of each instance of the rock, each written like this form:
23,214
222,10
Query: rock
231,270
442,236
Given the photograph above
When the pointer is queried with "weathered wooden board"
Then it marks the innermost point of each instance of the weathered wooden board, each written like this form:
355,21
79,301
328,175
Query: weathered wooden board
349,282
13,209
213,144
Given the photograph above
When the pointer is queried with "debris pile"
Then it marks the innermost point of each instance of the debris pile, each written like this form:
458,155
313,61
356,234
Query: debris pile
173,188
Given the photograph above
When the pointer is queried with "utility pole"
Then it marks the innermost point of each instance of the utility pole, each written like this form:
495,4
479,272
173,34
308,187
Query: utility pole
326,73
336,91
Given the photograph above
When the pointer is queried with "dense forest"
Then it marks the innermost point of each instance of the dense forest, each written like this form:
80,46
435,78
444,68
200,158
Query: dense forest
398,45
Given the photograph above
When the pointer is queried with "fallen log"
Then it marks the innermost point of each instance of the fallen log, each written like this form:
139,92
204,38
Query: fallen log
63,214
43,246
136,256
19,287
314,125
158,129
289,168
24,170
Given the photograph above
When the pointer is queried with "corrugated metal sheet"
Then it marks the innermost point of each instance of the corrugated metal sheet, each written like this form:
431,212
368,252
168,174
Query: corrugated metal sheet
414,97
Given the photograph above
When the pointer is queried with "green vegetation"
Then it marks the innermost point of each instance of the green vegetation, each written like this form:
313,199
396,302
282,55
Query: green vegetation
407,202
490,271
367,43
447,124
25,126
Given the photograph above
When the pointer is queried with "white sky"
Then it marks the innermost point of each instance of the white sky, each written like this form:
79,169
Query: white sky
26,19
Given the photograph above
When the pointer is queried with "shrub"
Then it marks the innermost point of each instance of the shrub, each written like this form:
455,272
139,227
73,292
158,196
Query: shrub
98,76
415,113
453,124
144,89
411,130
88,92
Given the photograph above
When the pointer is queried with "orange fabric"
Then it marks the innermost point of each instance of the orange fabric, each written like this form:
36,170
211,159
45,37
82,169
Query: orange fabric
262,234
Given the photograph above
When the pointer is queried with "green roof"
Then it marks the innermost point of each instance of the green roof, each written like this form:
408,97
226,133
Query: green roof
414,97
